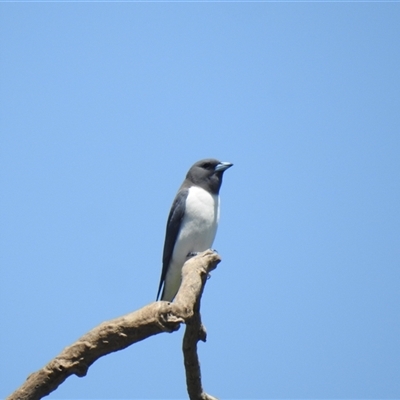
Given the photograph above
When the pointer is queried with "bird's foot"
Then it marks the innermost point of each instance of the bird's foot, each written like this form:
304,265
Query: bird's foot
195,253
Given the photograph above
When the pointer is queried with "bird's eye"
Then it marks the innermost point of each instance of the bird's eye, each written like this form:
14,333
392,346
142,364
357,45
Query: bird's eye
207,165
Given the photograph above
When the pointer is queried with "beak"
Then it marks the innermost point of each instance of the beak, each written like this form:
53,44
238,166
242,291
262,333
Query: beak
223,166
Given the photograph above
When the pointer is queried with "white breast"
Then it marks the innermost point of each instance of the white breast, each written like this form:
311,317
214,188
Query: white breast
197,233
199,224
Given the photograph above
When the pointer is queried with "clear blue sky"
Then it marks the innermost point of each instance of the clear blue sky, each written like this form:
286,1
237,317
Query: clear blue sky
104,107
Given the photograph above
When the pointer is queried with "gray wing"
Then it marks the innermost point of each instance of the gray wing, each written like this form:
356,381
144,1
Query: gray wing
173,226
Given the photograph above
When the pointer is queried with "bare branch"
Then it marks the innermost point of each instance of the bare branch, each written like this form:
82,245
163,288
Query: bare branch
119,333
195,331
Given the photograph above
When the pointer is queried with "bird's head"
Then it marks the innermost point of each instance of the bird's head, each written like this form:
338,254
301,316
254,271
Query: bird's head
208,173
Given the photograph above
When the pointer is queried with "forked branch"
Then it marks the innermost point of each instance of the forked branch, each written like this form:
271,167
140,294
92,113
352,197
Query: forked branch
119,333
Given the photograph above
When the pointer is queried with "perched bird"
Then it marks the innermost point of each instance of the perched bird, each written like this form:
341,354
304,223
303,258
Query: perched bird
192,221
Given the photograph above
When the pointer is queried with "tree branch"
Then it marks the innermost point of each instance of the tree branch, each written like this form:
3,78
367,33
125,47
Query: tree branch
194,332
119,333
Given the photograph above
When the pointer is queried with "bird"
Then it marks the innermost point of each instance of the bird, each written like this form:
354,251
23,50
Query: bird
192,222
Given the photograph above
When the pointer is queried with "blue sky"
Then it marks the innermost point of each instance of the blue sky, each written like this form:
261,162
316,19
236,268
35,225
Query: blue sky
104,107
